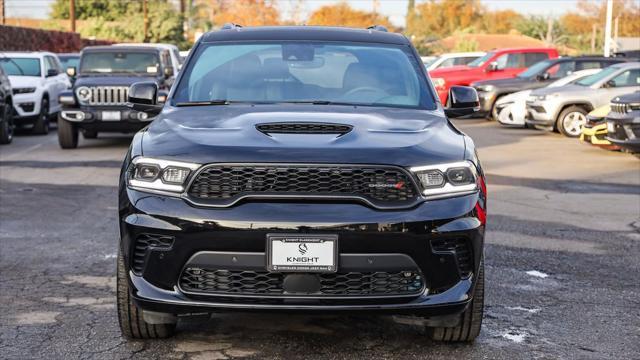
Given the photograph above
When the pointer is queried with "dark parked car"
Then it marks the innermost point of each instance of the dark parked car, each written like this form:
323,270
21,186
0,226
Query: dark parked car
6,109
537,76
302,169
97,101
623,122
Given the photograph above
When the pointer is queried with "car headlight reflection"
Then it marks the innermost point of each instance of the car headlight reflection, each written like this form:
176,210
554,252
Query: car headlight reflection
447,179
158,175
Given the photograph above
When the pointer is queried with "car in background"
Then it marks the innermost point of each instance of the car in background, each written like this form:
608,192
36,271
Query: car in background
37,80
496,64
565,109
98,100
623,122
453,59
512,109
594,130
183,55
6,109
68,60
539,75
171,58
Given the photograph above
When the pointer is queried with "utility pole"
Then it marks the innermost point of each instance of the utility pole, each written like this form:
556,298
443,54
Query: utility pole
615,34
72,14
145,20
607,29
2,14
594,30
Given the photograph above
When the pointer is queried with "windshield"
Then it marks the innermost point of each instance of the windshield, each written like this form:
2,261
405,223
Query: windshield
536,69
120,62
481,60
590,80
20,66
69,61
317,72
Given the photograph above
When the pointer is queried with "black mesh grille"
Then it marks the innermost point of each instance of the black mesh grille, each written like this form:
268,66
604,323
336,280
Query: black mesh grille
304,128
239,282
381,185
461,248
145,241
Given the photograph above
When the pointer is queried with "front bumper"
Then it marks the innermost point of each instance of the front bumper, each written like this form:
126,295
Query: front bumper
241,230
542,113
94,118
26,106
624,130
595,135
487,99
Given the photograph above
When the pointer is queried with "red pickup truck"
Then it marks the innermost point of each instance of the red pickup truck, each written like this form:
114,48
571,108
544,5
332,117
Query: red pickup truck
496,64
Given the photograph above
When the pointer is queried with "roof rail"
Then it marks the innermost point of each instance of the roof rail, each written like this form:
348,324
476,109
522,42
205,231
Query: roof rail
378,28
229,26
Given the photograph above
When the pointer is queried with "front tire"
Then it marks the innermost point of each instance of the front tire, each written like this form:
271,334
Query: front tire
471,322
571,121
132,325
67,134
41,126
6,124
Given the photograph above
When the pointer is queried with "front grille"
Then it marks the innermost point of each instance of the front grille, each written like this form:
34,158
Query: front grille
303,128
239,282
144,242
108,95
460,247
384,186
620,108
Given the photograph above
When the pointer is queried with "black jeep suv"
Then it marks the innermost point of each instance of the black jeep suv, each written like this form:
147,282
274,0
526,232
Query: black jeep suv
623,122
97,101
302,169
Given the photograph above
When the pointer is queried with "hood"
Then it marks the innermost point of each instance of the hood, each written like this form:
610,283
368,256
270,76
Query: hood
450,70
571,88
110,80
228,133
514,97
25,81
504,83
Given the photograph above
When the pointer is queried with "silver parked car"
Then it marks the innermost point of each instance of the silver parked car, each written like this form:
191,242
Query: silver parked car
565,108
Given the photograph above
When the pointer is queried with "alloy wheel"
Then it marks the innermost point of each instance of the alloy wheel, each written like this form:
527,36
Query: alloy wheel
573,123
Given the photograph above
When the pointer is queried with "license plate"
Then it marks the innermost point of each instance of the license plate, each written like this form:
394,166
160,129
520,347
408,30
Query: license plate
302,253
611,127
111,116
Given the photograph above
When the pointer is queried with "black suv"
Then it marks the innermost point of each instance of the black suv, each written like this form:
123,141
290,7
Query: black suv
623,122
6,109
97,101
302,169
539,75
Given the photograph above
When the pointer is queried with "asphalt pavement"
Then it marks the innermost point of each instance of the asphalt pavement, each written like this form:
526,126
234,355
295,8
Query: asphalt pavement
562,263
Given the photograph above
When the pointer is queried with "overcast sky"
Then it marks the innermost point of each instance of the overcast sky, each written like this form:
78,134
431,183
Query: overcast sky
395,9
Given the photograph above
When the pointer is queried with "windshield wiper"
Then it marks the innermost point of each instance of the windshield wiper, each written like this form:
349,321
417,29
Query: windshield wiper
204,103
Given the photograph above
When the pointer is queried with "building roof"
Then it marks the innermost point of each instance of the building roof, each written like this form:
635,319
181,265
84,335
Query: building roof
305,33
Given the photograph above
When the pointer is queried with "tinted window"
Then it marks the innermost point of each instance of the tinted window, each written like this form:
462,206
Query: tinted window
627,78
561,69
293,71
536,69
120,62
21,66
68,61
510,61
590,80
534,57
447,63
481,60
583,65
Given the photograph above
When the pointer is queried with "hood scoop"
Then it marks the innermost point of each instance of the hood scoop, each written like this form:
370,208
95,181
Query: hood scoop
304,128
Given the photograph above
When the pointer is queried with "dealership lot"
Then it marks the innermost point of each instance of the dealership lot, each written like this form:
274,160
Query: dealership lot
562,260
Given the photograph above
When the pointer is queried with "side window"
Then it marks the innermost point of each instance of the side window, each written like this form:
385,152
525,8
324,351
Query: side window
562,69
627,78
166,59
47,65
447,63
534,57
502,61
57,65
515,61
583,65
176,54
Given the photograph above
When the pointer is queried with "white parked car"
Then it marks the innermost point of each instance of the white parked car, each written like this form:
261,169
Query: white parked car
453,59
512,108
37,78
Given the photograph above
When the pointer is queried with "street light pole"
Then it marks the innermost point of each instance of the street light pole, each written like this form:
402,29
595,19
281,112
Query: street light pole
72,14
145,20
607,29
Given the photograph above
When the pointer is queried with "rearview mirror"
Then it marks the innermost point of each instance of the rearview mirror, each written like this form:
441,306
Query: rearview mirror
71,71
52,72
143,96
462,101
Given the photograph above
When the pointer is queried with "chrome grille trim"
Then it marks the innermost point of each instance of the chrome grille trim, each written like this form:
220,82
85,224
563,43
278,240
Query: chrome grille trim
108,95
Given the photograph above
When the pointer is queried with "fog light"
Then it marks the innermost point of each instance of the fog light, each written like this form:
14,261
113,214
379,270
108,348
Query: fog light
142,116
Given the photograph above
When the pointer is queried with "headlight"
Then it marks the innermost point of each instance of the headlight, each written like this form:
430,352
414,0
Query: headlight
447,179
485,88
84,94
438,82
26,90
159,175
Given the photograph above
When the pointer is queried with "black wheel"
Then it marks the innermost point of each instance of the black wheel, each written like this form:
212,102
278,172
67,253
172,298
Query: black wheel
471,322
493,115
6,124
571,120
132,325
89,134
41,126
67,134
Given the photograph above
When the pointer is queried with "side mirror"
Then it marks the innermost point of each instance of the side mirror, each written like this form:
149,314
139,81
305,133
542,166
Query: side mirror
462,101
168,72
71,71
493,66
609,84
143,96
52,72
543,77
